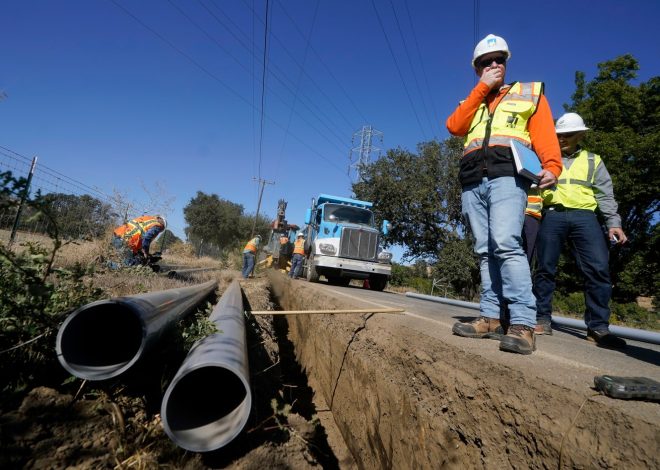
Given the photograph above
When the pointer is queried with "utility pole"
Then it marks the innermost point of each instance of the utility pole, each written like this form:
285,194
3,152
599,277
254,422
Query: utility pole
363,150
24,196
263,183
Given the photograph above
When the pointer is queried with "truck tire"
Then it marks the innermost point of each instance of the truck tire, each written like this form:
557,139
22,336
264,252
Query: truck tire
312,275
377,282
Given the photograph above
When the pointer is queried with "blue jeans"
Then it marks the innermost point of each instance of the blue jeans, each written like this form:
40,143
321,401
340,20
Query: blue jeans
248,263
296,265
495,210
587,241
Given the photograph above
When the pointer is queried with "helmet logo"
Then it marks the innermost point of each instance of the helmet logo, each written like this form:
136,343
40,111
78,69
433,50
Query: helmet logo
491,42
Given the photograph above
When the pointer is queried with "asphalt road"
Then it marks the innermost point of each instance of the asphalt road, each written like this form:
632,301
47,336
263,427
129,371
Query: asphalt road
564,359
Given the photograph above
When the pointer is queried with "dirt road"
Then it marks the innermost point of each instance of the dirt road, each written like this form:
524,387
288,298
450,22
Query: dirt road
406,393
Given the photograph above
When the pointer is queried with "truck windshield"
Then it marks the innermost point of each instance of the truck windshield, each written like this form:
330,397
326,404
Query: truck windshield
348,214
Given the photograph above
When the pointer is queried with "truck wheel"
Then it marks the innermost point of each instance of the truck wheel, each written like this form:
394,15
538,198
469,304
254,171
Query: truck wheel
312,275
377,282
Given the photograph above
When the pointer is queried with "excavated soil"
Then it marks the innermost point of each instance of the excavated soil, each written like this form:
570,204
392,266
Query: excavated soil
331,391
68,423
402,399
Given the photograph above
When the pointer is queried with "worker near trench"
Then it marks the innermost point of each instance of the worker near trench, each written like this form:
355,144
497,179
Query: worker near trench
569,211
298,256
250,255
494,197
132,240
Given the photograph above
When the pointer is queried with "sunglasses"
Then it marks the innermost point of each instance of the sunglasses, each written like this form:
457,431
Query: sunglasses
568,134
499,60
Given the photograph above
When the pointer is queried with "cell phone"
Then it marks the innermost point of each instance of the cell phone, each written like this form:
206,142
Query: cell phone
629,388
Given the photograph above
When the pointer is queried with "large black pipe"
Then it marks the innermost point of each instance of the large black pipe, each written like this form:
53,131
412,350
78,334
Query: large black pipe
208,402
106,338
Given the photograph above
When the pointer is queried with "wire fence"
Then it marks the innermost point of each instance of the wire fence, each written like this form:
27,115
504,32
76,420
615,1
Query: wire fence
81,211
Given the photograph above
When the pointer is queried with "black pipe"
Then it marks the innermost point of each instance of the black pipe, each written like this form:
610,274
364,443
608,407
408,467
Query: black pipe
106,338
208,402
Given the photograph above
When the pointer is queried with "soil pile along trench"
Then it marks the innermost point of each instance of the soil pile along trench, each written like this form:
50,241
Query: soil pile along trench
402,399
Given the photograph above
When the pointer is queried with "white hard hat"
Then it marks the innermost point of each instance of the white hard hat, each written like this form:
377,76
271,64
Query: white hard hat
490,43
164,221
300,234
570,122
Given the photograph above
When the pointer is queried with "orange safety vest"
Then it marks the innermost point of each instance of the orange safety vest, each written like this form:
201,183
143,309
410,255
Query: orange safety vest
299,247
251,246
534,203
133,231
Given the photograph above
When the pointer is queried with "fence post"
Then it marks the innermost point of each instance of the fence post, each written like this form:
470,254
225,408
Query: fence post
24,196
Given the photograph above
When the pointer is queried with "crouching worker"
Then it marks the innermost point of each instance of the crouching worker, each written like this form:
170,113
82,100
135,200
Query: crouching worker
133,239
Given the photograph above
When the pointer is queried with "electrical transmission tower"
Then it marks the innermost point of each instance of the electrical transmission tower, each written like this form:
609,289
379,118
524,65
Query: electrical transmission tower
366,136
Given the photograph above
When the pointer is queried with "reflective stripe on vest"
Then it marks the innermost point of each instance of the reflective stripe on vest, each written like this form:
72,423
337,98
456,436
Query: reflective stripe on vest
299,246
251,246
534,203
509,120
133,231
575,188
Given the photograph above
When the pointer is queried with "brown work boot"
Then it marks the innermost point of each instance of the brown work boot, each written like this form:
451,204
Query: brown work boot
519,339
543,328
481,327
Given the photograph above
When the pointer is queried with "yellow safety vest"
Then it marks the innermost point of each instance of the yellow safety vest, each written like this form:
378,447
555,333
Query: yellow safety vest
133,231
251,245
508,121
534,203
299,246
575,187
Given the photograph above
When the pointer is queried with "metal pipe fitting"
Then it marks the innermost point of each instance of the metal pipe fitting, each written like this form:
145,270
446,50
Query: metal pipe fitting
209,400
106,338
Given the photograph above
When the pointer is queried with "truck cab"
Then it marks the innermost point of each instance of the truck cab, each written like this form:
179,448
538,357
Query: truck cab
343,243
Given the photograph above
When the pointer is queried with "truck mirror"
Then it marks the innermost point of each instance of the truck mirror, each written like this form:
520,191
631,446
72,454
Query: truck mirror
308,216
387,226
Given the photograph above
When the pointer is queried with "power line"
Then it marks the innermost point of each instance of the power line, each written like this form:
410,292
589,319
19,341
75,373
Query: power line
263,91
421,63
293,58
221,82
327,68
300,74
412,68
398,69
273,74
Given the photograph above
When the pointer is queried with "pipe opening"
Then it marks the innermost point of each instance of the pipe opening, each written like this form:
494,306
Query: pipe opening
101,338
204,396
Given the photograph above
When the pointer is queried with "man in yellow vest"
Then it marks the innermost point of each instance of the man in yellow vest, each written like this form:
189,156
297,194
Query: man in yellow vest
134,238
298,256
494,196
584,186
249,255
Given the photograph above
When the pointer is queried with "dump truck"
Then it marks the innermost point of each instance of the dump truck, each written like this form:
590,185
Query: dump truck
342,243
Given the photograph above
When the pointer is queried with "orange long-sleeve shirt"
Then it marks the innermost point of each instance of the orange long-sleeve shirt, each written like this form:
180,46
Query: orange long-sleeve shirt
540,126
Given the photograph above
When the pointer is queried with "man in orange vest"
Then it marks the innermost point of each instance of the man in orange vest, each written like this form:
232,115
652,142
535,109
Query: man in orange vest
298,256
249,255
134,238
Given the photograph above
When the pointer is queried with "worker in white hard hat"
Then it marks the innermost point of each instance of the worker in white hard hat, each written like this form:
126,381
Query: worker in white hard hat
250,255
298,256
494,196
569,214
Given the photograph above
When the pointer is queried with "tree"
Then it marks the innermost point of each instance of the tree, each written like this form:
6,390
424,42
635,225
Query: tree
79,216
625,123
217,221
418,193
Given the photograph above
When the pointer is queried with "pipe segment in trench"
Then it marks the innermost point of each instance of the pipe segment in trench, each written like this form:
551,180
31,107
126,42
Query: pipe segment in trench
208,402
104,339
623,331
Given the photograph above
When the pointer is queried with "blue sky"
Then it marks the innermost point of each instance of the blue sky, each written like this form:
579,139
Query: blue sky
107,101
